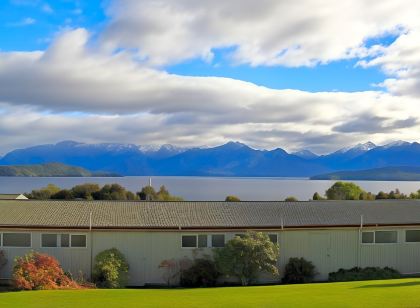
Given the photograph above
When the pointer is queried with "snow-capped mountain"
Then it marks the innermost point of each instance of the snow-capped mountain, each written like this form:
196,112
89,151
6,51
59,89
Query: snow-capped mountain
306,154
230,159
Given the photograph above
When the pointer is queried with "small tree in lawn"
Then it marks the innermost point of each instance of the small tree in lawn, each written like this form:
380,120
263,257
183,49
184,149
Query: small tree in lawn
245,257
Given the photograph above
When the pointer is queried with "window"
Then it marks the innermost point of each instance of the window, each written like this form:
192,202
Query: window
382,237
49,240
273,238
65,240
189,241
218,240
379,237
412,236
78,240
16,239
202,241
368,237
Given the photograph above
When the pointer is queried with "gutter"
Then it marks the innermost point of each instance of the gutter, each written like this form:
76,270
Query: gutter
177,228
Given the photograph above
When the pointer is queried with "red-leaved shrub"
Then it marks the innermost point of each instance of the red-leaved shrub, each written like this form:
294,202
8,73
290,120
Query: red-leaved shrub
37,271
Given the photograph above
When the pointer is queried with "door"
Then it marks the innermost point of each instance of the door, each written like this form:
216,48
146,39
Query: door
320,253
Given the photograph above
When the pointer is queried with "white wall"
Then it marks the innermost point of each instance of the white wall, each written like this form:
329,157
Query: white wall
329,250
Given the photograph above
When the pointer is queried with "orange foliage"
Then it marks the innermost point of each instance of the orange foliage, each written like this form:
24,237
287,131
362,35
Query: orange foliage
37,271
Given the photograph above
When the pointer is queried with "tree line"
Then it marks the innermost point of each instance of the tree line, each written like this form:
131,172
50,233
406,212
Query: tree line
91,191
351,191
348,191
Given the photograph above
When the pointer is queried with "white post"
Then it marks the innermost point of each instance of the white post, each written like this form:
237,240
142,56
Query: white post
90,221
150,182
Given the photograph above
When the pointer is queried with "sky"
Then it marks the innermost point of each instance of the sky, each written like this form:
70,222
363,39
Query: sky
307,74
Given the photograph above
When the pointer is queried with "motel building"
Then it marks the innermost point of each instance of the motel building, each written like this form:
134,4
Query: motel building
331,234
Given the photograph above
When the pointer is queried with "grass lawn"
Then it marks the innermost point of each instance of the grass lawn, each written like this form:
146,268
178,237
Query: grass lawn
383,293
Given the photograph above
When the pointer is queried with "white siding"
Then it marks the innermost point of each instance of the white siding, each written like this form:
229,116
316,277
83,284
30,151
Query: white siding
328,249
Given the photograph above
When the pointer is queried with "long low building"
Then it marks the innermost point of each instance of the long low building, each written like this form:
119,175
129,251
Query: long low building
331,234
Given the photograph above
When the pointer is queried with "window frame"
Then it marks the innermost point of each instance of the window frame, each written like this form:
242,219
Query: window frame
48,233
405,236
71,244
277,238
19,247
361,237
374,237
196,241
211,240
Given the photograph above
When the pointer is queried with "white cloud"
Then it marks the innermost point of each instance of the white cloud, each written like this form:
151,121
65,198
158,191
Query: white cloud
267,32
82,89
46,8
27,21
115,98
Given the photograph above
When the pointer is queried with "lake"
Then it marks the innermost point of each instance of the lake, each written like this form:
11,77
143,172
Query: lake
208,188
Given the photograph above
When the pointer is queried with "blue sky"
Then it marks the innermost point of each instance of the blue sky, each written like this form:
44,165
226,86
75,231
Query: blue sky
292,74
32,24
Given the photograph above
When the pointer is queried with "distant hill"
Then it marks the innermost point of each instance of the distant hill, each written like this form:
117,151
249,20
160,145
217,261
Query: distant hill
378,174
48,169
230,159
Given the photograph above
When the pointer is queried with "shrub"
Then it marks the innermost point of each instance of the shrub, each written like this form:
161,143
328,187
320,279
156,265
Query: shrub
232,198
202,273
171,269
245,257
110,269
299,270
36,271
291,199
367,273
317,196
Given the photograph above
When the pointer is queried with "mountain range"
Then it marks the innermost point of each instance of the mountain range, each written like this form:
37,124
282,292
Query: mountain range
230,159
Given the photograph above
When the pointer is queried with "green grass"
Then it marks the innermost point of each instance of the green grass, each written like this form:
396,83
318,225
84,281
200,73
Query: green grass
383,293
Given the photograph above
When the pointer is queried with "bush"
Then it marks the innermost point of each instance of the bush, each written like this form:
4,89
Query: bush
232,198
202,273
291,199
299,270
248,256
36,271
367,273
110,269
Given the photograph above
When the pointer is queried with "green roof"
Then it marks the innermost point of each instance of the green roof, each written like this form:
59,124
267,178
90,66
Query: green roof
205,215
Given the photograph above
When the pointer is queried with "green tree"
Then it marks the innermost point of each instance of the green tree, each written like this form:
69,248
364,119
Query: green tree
317,196
63,194
367,196
44,193
291,199
232,198
245,257
84,191
344,191
381,195
415,195
147,193
113,192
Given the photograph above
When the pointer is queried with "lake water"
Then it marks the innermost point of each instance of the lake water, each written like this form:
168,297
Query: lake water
208,188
